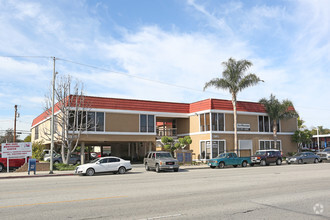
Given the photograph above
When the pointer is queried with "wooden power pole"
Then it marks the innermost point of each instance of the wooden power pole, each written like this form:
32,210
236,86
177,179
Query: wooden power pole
14,139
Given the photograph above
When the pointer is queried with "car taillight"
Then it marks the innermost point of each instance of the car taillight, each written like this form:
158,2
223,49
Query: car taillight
258,158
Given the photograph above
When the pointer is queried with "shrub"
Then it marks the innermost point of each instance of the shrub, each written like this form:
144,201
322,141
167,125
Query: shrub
37,150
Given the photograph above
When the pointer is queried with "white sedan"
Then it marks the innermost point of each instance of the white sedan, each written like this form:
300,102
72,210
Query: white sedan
104,164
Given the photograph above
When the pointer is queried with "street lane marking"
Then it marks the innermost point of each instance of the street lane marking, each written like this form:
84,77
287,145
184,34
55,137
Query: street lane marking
57,202
164,216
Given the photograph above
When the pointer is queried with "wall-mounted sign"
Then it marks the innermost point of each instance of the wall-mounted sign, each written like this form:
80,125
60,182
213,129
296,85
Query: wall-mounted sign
243,127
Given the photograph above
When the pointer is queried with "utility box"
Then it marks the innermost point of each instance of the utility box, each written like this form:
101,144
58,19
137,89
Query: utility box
32,166
184,156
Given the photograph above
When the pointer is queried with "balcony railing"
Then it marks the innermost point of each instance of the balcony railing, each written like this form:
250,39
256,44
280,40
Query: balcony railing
170,132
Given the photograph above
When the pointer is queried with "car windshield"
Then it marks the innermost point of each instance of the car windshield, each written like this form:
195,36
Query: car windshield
261,153
298,155
163,155
326,150
221,155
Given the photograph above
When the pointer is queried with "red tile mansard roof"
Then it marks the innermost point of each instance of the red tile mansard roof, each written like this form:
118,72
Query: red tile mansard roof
158,106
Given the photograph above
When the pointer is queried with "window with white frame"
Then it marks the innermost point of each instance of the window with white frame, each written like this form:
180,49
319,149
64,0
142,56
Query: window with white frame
204,120
269,144
265,124
207,151
147,123
36,132
90,121
218,121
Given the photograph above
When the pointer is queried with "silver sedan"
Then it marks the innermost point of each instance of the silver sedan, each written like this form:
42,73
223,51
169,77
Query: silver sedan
303,157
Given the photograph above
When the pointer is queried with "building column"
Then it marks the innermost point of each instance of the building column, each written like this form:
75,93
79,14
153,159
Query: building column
82,153
129,149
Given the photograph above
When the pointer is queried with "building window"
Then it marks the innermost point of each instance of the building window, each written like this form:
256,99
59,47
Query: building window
269,144
36,132
265,125
204,122
90,121
218,122
208,152
99,125
147,123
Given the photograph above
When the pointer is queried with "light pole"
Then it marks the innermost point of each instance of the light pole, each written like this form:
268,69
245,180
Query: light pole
318,139
52,123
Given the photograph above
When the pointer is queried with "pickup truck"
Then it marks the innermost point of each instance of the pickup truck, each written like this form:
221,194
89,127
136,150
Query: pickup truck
229,159
13,163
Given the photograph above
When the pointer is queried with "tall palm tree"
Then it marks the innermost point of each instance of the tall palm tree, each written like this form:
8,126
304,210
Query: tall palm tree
277,111
234,80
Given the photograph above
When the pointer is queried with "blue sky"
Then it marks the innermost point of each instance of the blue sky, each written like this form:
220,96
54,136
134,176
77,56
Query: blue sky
178,42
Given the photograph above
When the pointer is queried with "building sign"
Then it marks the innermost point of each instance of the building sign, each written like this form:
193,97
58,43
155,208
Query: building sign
243,127
16,150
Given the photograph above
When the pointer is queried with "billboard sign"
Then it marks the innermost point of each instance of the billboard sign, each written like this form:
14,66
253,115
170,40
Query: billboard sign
16,150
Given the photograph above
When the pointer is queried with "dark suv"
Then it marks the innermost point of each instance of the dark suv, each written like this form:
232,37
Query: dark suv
265,157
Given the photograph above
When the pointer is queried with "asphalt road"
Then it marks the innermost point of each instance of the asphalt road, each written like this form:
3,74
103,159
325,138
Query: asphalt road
274,192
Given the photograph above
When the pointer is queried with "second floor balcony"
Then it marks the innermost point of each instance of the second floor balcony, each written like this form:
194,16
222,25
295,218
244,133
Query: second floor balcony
170,132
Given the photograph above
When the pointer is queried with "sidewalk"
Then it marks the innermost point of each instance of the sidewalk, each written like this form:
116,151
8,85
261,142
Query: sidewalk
13,175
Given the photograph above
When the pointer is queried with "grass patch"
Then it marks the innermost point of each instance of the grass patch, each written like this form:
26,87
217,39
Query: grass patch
63,167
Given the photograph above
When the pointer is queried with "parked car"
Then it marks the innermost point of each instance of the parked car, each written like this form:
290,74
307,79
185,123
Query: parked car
74,159
13,163
227,159
266,157
325,154
303,157
46,154
160,160
104,164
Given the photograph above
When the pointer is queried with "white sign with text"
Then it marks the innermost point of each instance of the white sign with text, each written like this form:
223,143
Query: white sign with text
16,150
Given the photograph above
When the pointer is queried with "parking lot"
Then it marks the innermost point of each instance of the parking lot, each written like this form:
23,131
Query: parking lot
272,192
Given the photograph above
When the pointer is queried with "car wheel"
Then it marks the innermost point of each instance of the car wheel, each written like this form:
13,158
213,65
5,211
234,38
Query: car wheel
316,160
278,162
263,163
157,168
147,167
244,164
77,162
221,165
90,172
176,170
234,165
2,167
122,170
300,161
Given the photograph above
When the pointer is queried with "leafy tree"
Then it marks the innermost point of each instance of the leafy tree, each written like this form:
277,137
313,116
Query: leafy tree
27,138
234,80
183,142
37,150
321,129
168,143
302,137
277,111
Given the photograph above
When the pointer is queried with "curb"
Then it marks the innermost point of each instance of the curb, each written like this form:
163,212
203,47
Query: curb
36,176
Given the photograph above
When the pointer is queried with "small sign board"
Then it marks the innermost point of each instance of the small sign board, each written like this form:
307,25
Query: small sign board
243,127
16,150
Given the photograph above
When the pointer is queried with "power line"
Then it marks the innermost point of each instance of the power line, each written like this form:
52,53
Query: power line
43,57
138,77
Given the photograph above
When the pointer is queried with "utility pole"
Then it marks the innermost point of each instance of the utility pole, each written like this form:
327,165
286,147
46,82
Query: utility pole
52,123
14,139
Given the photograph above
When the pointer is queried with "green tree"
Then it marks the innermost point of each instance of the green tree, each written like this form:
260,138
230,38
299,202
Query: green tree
302,137
277,111
183,142
27,138
37,150
234,80
168,143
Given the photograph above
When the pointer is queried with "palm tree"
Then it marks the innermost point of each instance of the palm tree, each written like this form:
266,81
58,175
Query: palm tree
277,111
234,80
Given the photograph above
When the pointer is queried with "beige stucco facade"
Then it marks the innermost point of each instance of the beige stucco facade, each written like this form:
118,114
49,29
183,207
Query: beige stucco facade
123,133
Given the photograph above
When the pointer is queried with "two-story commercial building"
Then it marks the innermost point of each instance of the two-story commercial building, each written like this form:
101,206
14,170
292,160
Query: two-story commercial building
134,127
